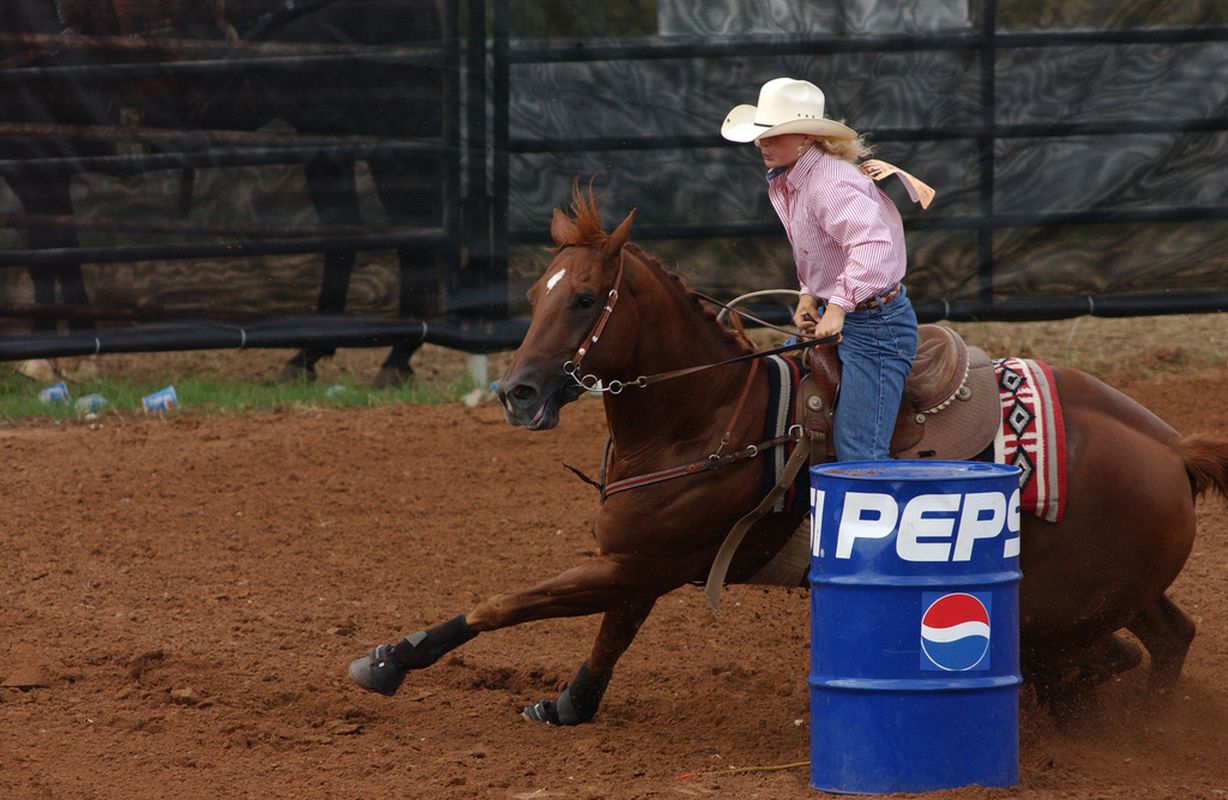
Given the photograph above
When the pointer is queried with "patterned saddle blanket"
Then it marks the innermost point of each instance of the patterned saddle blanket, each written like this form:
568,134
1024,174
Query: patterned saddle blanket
1032,435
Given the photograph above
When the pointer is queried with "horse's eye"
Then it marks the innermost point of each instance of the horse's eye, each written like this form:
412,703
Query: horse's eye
585,301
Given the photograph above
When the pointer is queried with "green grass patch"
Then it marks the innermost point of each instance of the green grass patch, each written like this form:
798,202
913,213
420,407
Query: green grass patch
19,396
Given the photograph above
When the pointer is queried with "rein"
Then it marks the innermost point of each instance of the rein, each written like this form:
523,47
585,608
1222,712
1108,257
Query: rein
714,460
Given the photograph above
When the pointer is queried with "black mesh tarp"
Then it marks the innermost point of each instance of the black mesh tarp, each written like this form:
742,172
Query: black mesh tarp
162,162
192,160
1076,150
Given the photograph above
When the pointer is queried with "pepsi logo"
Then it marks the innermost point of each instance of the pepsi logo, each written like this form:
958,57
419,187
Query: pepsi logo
955,631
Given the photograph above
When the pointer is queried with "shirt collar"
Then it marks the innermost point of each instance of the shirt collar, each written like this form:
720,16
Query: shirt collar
797,171
804,166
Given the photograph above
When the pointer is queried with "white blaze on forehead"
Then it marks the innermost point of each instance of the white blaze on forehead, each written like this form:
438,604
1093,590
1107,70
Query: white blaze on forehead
555,278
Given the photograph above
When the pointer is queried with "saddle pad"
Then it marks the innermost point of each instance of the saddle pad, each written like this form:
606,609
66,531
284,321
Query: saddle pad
783,377
1032,435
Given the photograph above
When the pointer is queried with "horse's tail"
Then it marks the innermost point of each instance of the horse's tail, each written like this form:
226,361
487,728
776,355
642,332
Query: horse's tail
1206,462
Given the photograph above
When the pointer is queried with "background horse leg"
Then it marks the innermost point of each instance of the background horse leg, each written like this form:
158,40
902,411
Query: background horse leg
410,187
1166,632
334,193
48,195
409,192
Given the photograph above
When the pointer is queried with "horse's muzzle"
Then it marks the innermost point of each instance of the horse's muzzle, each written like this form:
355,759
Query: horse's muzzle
532,401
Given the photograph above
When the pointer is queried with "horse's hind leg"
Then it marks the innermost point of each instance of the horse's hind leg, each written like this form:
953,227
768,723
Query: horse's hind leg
1110,656
1166,632
1065,685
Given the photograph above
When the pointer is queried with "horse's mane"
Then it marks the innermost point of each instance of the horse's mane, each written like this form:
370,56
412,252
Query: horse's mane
584,214
589,232
736,335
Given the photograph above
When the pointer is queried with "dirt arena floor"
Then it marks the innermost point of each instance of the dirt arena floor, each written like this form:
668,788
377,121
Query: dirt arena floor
189,591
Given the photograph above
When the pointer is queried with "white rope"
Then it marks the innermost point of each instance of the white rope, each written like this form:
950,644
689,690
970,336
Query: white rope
735,302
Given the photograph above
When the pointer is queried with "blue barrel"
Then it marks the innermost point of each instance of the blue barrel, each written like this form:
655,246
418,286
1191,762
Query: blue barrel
914,608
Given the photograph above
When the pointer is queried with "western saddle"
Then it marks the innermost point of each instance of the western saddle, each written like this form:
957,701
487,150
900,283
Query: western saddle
949,410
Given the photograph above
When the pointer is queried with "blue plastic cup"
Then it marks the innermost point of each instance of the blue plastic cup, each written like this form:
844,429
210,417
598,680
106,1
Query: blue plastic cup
57,393
161,400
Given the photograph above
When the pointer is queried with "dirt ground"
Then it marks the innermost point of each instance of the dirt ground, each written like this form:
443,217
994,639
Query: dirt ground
191,589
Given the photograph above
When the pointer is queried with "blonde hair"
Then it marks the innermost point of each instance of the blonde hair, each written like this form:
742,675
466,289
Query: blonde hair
850,150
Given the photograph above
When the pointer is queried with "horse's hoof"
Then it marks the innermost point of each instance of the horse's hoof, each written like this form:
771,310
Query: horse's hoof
293,371
542,711
390,377
376,671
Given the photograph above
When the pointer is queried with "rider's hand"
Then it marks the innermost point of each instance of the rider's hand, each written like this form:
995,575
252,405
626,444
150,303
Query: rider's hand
831,323
807,314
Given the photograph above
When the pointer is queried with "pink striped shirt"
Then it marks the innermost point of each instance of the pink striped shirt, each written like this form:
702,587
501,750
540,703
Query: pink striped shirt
847,236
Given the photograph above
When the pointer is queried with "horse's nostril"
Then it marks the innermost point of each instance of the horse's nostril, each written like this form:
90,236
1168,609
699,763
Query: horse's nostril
522,393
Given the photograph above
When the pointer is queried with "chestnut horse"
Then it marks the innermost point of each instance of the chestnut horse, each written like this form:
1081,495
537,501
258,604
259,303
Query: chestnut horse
606,309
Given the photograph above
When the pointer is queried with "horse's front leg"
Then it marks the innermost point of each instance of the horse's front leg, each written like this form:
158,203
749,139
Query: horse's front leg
605,583
579,701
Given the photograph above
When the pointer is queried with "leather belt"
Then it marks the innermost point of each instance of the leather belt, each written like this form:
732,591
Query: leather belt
881,299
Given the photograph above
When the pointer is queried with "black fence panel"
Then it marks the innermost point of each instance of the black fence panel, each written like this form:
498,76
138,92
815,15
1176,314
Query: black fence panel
1076,169
185,160
386,163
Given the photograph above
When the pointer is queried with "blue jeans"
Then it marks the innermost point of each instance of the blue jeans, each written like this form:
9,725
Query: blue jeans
876,353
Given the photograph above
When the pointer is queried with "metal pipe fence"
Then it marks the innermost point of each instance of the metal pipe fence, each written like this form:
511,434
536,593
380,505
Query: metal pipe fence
476,59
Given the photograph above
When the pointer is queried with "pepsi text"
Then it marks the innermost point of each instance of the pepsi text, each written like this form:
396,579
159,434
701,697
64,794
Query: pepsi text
928,527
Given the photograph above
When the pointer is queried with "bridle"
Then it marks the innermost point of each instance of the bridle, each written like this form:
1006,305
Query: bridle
591,383
714,460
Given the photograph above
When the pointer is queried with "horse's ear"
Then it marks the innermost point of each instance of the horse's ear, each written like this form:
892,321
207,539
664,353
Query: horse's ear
619,237
563,230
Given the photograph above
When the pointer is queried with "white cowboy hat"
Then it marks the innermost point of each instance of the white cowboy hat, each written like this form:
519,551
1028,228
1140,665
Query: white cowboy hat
786,105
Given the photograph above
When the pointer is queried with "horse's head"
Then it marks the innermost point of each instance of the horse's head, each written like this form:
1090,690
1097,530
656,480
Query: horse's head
573,321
